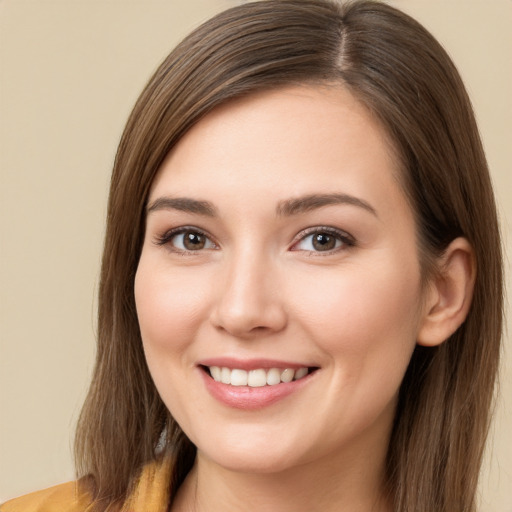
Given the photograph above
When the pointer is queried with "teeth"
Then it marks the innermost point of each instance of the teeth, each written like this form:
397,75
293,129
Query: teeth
273,376
301,372
216,373
256,378
225,376
287,375
238,377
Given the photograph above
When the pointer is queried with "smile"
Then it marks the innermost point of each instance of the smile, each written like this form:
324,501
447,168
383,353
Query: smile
253,384
256,378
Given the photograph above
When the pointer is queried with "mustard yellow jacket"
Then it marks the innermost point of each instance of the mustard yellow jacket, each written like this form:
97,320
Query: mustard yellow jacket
151,494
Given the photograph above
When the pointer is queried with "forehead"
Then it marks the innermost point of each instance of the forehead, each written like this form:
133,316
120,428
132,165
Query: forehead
285,142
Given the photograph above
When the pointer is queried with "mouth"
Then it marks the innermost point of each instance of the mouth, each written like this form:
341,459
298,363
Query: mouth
254,384
258,377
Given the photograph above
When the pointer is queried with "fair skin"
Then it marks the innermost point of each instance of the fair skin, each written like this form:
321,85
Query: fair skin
279,239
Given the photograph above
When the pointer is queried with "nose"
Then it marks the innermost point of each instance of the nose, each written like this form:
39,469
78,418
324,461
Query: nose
249,299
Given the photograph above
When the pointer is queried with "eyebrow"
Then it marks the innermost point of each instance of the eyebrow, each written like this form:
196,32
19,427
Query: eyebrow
313,201
284,208
184,204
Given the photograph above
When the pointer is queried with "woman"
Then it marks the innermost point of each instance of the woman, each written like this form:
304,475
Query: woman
300,301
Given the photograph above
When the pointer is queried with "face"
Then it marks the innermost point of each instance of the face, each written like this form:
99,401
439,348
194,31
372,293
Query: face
279,288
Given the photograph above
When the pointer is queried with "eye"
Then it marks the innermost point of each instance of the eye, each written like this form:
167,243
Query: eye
323,240
186,240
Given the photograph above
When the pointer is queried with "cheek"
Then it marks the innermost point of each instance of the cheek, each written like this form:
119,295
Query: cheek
170,306
365,318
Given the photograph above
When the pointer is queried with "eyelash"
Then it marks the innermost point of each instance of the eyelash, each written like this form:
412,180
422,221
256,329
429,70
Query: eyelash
167,237
343,237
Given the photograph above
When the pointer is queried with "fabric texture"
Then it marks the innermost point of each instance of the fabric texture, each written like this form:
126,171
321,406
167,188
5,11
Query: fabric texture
150,494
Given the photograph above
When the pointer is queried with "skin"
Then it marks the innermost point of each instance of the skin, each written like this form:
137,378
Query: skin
260,289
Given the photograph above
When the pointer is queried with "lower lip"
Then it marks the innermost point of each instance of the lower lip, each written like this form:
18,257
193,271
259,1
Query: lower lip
248,398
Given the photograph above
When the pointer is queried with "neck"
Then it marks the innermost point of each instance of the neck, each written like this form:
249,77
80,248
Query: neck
328,485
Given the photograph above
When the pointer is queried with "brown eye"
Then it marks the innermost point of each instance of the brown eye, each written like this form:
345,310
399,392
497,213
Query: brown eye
186,240
323,242
320,239
193,241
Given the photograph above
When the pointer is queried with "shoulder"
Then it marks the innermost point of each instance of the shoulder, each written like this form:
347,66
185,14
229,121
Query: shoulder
61,498
150,493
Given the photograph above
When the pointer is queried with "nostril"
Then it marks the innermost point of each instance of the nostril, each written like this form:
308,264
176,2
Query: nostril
260,328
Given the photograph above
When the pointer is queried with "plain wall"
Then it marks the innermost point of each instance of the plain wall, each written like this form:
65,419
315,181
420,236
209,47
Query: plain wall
70,71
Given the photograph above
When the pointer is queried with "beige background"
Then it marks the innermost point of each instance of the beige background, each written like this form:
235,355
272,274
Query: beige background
70,71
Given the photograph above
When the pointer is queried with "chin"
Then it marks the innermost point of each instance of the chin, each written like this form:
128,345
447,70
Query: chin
247,461
249,452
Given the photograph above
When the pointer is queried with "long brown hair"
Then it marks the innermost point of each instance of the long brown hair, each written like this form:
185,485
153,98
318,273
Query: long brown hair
400,72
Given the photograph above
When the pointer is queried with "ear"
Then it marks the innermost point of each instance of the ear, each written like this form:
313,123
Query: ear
449,294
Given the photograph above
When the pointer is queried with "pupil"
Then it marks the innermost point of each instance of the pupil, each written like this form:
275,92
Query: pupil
193,241
323,242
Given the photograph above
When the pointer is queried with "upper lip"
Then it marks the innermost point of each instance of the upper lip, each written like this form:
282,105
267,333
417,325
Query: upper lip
252,364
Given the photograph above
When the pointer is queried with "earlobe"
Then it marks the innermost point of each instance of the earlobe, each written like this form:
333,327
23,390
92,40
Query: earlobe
449,295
